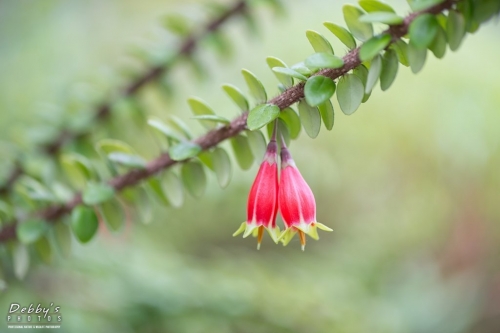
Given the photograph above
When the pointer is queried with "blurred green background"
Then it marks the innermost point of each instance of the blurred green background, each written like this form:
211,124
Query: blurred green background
409,183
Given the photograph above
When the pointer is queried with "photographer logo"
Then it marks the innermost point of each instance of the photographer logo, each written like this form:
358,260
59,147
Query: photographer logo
34,316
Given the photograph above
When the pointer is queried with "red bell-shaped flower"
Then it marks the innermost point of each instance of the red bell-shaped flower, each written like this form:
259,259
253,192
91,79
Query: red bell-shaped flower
296,203
262,204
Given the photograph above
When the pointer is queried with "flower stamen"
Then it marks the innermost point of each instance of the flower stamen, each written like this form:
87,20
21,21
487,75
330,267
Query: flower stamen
259,236
302,237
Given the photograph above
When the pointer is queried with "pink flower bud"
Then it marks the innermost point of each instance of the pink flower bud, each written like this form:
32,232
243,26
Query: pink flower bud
296,203
262,204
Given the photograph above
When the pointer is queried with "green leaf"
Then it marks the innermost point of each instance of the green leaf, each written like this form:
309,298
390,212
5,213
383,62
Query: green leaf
342,34
212,117
97,193
418,5
165,129
107,146
180,126
155,189
62,235
273,62
375,6
262,115
194,178
350,92
184,151
236,96
173,189
84,223
257,143
206,158
327,114
323,60
290,72
373,74
382,17
360,30
44,250
200,108
20,260
319,43
177,24
362,72
374,46
455,29
292,120
6,211
389,69
301,68
242,151
284,131
77,168
113,215
438,45
310,118
128,160
422,30
416,58
318,89
222,166
31,230
255,86
401,49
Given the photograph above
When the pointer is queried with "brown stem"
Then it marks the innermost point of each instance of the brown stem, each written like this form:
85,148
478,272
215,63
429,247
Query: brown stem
216,136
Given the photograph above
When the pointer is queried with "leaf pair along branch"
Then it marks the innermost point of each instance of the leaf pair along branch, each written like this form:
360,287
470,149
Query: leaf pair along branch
103,110
216,136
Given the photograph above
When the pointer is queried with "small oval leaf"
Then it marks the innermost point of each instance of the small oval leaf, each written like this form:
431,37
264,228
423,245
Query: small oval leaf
236,96
416,57
172,188
194,178
318,89
273,62
257,143
455,29
319,43
84,223
242,151
382,17
323,60
222,166
389,69
342,34
199,108
310,118
350,93
373,74
422,31
97,193
374,46
164,129
31,230
212,117
20,260
327,114
128,160
261,115
401,49
360,30
375,6
292,120
184,150
255,86
290,72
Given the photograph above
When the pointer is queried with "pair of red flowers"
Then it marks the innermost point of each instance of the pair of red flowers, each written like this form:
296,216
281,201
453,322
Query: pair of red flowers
291,195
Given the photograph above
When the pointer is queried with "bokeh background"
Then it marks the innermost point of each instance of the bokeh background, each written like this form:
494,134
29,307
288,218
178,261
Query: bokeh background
410,184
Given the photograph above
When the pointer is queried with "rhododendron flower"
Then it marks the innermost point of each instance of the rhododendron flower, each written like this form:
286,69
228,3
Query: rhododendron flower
296,203
262,204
